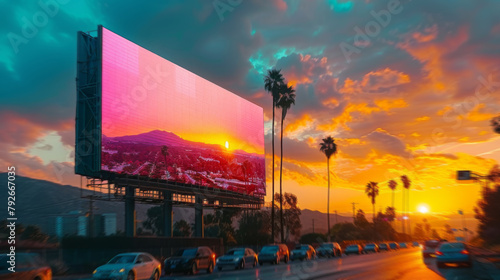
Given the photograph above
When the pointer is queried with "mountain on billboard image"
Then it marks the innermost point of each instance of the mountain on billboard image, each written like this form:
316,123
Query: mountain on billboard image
164,155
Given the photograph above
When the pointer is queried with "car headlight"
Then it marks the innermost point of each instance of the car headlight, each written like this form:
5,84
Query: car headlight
236,259
121,270
95,271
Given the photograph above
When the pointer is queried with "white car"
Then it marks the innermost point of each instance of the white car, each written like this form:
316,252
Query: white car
129,266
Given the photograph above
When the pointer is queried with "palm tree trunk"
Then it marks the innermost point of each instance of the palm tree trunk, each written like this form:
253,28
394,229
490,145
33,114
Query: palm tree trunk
281,184
393,200
403,212
328,199
408,208
272,181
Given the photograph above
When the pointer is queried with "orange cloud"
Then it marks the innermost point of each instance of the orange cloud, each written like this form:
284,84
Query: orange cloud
375,81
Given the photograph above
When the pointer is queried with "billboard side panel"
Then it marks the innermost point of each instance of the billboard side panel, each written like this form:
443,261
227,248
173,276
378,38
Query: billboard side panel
88,106
164,122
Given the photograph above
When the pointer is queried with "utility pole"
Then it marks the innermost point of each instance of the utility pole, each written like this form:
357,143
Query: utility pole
354,211
336,216
313,225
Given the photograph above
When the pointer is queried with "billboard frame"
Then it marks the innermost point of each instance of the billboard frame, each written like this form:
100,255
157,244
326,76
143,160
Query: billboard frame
88,143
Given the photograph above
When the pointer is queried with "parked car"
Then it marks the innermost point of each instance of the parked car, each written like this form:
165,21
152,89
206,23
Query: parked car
429,248
452,252
303,252
191,260
383,247
415,244
274,254
394,245
353,249
130,266
29,266
371,247
238,258
329,249
402,245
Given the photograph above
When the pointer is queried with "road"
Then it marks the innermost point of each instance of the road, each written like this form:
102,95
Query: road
401,264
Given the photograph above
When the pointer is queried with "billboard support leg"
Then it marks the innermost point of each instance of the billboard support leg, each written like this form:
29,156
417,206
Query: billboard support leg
167,213
198,216
129,211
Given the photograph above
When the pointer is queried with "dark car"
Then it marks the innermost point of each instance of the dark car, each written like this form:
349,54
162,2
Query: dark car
394,245
29,266
371,247
274,254
303,252
329,249
429,248
415,244
238,258
191,260
353,249
383,247
403,245
452,252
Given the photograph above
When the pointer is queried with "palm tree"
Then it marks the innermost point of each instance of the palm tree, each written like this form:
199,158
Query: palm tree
372,191
329,148
495,123
392,186
286,100
406,184
272,84
164,152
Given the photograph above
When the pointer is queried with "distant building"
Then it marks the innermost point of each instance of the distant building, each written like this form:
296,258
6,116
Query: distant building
75,223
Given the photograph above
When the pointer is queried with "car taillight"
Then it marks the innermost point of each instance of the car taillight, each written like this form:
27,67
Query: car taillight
439,253
465,252
213,256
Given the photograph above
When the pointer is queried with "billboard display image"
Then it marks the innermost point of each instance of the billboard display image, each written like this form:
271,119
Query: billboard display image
161,121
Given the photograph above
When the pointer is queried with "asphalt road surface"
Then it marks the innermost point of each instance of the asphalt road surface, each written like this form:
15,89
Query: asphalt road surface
401,264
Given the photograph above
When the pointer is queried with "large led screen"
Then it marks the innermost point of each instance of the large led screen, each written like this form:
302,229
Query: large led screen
164,122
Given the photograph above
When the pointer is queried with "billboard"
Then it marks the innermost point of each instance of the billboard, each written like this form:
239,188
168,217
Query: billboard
163,122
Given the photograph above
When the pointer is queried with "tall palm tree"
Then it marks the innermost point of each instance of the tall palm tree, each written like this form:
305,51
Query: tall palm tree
329,148
495,123
372,191
392,186
406,185
272,83
286,100
164,152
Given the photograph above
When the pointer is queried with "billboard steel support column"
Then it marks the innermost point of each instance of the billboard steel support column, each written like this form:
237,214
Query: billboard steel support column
167,213
129,211
198,216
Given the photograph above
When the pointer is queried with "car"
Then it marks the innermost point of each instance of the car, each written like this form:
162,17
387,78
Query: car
371,247
452,252
402,245
274,254
383,247
429,248
237,258
28,266
303,252
190,260
394,245
329,249
353,249
129,266
415,244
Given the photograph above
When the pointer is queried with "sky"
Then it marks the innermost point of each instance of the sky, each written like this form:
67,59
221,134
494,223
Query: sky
404,87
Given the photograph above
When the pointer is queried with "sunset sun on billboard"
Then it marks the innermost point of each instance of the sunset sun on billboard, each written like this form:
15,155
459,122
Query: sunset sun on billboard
161,121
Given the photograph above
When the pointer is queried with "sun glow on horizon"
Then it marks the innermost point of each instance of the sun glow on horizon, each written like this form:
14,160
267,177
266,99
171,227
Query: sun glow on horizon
227,145
423,208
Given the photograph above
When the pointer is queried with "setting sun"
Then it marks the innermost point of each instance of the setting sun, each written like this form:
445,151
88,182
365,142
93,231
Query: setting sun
423,209
227,145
